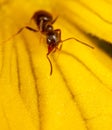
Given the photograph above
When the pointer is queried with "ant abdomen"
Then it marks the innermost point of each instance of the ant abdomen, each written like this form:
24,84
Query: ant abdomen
41,18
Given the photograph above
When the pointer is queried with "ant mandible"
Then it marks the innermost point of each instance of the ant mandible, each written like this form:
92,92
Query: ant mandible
44,22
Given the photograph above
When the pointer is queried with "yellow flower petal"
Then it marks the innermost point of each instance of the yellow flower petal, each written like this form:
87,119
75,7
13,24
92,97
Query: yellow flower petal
93,17
78,93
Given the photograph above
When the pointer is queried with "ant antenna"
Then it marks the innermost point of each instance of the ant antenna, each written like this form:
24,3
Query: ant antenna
47,55
72,38
19,31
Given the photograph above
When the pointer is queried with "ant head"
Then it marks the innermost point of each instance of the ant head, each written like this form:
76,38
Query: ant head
53,38
42,16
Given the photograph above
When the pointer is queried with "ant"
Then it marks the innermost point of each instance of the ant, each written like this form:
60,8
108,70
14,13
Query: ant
44,22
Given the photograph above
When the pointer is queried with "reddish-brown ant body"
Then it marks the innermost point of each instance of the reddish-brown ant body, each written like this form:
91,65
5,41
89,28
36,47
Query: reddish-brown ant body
44,22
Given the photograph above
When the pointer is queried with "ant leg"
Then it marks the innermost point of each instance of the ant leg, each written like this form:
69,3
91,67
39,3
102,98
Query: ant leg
60,47
59,34
58,31
54,20
19,31
41,25
73,38
31,29
47,55
57,48
59,38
